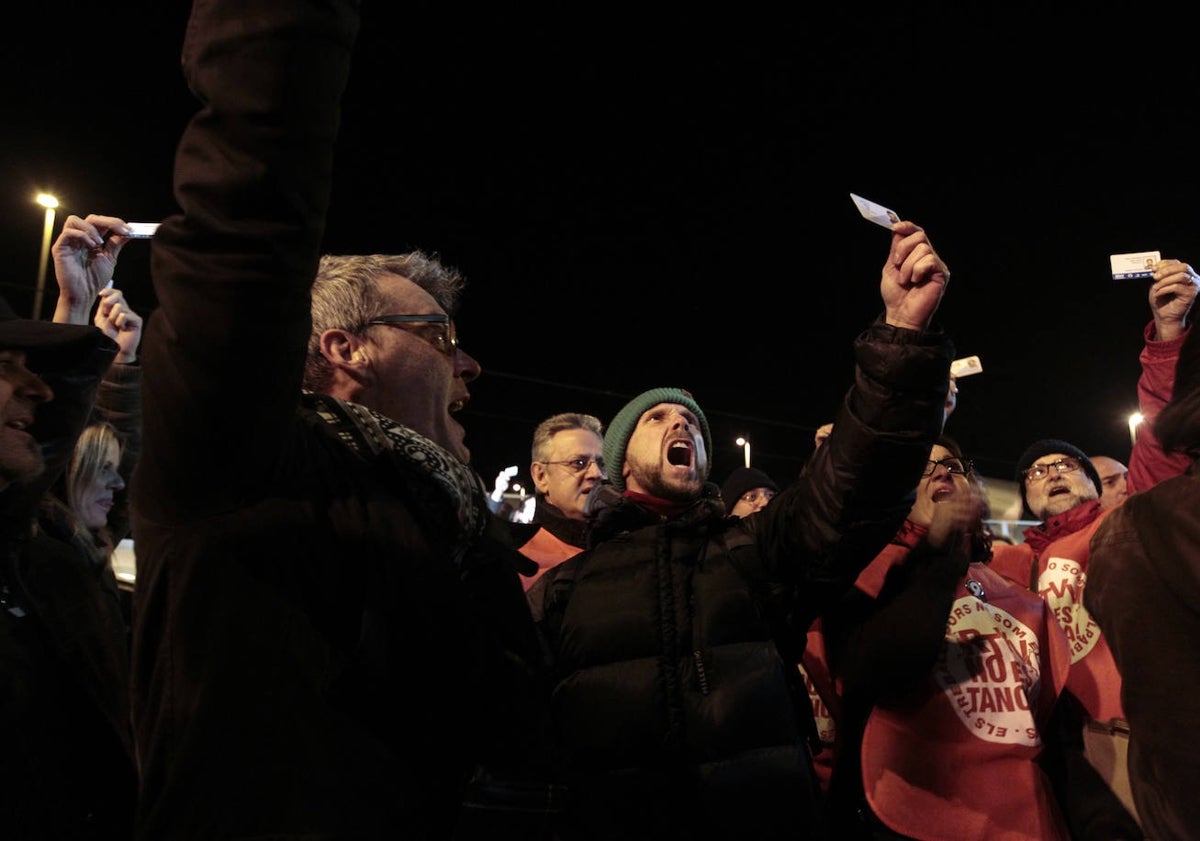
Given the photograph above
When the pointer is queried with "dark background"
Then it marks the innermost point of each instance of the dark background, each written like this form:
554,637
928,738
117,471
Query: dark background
641,197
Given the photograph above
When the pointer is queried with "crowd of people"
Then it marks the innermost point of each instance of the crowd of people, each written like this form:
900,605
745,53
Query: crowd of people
333,633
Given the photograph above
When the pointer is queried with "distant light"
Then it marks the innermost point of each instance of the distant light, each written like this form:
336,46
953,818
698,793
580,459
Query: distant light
745,445
1134,420
47,200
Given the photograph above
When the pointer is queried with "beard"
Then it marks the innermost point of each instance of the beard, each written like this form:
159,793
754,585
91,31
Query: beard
21,466
650,478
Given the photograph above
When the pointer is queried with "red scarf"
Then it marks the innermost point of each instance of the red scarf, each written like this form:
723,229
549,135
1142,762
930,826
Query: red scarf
662,507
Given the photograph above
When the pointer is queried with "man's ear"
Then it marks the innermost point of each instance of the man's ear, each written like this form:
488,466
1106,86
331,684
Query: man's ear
537,472
345,353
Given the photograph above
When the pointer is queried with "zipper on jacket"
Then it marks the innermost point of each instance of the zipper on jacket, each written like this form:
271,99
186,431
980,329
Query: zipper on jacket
698,659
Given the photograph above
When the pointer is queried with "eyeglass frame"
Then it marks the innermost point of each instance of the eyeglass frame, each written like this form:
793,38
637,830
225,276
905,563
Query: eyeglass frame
931,466
430,318
577,470
1058,466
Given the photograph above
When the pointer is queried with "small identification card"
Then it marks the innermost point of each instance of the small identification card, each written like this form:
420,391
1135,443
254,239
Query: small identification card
876,213
966,366
1138,264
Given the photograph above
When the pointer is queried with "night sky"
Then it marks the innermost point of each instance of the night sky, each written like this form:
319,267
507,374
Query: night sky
641,199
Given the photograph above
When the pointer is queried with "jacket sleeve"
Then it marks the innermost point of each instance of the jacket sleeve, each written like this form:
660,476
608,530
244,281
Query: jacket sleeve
223,352
884,648
825,527
1149,464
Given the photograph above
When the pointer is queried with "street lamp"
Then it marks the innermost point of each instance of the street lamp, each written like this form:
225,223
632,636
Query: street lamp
1134,419
49,202
745,445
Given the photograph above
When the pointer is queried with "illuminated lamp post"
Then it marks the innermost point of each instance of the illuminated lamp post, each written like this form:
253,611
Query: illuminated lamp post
50,203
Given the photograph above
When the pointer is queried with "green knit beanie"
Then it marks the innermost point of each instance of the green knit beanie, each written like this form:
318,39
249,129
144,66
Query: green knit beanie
618,433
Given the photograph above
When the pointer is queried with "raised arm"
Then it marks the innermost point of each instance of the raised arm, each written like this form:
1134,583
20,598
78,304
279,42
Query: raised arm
224,351
1172,298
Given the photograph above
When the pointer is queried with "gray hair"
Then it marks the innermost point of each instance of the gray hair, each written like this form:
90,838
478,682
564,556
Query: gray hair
345,297
555,424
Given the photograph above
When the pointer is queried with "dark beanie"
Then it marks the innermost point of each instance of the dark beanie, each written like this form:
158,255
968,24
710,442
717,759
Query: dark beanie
1045,447
744,479
620,430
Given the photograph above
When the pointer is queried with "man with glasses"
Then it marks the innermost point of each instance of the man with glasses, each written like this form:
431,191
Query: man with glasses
1060,486
746,490
330,636
567,464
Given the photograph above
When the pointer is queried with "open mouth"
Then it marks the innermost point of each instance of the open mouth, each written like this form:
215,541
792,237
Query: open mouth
457,406
679,453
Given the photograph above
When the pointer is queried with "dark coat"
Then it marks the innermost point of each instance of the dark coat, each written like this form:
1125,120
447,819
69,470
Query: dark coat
313,656
66,768
679,713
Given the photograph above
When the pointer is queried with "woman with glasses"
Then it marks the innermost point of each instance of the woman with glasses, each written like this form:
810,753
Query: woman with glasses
946,677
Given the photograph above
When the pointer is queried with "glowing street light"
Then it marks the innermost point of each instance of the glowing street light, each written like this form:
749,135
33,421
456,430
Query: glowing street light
50,203
745,445
1134,420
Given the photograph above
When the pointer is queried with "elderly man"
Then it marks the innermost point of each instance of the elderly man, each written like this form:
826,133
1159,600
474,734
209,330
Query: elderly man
567,464
680,715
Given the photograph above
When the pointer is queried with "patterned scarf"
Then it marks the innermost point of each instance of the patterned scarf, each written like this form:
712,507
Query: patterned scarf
452,497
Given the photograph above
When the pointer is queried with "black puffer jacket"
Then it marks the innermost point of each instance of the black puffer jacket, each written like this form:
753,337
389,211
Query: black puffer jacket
677,710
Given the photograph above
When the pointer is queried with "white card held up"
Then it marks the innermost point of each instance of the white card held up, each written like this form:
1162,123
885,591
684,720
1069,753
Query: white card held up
876,213
965,367
142,230
1137,264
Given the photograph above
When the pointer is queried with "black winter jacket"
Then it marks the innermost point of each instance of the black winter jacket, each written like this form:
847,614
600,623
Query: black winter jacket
677,708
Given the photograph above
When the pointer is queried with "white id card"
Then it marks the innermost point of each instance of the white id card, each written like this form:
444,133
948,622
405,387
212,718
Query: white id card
1137,264
876,213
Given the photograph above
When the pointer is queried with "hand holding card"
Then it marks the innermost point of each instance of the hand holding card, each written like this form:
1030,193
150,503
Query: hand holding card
876,213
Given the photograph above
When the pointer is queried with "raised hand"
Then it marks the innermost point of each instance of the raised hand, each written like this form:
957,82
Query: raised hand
120,323
1171,297
84,261
914,278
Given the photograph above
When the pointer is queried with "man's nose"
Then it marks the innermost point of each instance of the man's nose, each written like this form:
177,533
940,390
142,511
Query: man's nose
33,388
468,366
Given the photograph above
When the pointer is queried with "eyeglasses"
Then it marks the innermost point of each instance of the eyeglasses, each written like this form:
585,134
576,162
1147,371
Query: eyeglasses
1066,464
955,466
751,497
579,465
444,339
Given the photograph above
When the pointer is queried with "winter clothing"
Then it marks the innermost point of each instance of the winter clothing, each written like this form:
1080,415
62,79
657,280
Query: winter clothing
1143,587
330,639
554,538
620,430
948,675
675,637
67,768
744,479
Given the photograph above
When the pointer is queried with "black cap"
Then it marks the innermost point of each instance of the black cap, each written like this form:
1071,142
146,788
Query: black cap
744,479
45,342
